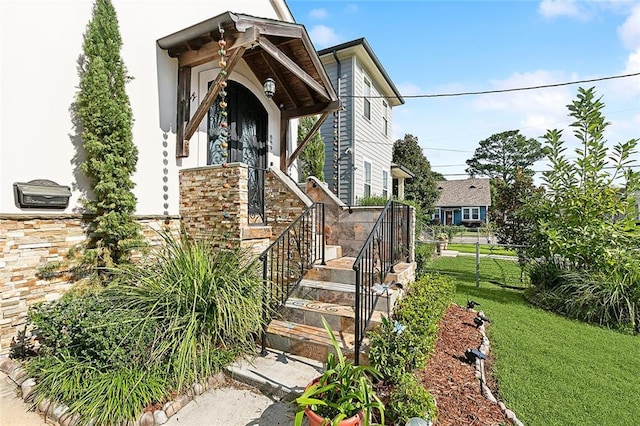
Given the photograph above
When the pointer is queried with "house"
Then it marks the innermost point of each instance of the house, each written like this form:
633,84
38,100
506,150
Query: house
463,202
232,183
358,138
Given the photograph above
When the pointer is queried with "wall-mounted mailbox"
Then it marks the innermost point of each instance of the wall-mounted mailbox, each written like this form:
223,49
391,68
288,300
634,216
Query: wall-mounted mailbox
42,194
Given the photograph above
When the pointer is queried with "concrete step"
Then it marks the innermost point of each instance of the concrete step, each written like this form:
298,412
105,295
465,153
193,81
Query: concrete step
305,340
277,374
342,294
336,270
332,252
339,317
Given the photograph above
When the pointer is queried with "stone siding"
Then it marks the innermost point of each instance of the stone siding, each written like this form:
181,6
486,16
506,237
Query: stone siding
27,242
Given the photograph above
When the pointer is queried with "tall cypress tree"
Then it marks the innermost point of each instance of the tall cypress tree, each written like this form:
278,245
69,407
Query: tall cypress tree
106,118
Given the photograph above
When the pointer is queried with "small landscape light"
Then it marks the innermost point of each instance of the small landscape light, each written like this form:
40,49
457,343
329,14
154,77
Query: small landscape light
417,421
472,354
471,304
478,321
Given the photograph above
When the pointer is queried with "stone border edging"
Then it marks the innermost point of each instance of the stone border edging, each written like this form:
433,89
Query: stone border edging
480,375
58,412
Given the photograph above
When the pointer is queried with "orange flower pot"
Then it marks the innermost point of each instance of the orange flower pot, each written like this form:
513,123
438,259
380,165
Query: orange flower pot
316,420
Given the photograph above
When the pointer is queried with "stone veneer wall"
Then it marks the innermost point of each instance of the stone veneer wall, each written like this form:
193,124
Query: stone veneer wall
28,242
284,201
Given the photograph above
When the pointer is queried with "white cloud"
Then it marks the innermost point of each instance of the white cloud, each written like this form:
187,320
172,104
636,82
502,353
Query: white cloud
323,36
629,31
320,13
554,8
407,89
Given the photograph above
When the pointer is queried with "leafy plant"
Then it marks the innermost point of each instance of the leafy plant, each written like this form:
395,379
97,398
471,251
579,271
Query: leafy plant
206,300
373,200
110,397
106,121
410,399
342,391
394,350
312,155
92,328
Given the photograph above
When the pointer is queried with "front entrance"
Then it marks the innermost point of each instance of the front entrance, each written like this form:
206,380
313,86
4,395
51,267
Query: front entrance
448,217
247,141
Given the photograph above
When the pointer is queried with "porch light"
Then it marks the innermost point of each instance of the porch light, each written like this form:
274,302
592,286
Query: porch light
269,87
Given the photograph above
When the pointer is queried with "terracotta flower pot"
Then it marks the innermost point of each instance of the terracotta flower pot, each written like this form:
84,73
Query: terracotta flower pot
316,420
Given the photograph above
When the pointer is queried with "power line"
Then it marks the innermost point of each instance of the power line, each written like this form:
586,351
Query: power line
486,92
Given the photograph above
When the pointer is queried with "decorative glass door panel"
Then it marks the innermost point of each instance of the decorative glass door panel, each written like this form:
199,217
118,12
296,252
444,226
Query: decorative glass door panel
247,127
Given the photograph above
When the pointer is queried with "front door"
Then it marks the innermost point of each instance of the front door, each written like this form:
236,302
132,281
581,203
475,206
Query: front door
448,217
247,141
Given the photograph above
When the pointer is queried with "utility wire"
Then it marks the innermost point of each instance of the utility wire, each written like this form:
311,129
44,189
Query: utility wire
516,89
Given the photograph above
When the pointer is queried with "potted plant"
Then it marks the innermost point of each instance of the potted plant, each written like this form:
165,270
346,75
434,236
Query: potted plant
343,395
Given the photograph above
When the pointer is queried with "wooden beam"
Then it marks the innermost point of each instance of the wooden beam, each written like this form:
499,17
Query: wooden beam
209,51
183,110
211,95
306,139
284,131
288,63
317,108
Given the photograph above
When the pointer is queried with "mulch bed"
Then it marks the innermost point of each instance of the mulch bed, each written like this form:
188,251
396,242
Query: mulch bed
451,380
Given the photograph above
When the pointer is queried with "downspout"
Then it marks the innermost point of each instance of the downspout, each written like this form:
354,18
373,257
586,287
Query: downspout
337,127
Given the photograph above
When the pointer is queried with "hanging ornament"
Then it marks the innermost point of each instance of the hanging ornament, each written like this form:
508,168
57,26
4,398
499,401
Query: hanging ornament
223,134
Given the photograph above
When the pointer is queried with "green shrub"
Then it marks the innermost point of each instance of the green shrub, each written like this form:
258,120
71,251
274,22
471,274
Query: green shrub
373,200
204,298
410,399
423,253
610,299
394,352
402,344
93,329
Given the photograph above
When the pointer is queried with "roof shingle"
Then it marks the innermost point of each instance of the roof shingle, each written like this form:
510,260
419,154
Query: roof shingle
464,193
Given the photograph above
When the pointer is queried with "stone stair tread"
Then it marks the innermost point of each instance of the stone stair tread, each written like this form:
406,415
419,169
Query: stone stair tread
309,333
343,262
329,285
329,308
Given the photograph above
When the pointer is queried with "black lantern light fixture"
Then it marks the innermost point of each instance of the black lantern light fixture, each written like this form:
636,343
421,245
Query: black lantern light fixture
472,354
269,87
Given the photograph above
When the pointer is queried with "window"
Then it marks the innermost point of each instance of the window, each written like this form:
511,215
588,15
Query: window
385,184
471,213
436,213
385,122
367,101
367,179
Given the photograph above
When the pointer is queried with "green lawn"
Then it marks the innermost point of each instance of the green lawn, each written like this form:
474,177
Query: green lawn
497,271
551,370
484,249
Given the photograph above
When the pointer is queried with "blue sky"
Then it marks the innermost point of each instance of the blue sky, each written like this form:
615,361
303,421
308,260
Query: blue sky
434,47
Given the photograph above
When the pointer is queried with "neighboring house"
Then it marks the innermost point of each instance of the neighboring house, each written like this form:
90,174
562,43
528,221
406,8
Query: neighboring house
358,140
463,202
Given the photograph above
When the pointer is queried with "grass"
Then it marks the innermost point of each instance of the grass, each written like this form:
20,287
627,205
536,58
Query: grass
484,249
552,370
497,271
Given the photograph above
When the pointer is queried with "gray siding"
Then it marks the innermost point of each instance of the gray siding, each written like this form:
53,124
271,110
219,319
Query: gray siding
364,136
371,144
345,131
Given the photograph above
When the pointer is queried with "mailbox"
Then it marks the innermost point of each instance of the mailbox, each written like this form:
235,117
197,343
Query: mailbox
42,194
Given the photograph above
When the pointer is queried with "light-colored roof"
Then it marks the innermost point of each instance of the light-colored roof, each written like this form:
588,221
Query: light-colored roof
464,193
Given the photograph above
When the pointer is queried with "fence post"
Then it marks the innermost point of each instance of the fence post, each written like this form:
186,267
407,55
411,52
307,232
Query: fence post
477,264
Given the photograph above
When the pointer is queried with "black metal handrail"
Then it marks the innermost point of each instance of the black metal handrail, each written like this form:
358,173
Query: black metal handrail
288,258
387,244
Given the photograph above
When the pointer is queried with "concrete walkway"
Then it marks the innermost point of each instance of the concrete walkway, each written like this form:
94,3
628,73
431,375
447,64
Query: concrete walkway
258,393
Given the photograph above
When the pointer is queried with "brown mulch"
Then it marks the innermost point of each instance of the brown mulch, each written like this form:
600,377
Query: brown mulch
452,381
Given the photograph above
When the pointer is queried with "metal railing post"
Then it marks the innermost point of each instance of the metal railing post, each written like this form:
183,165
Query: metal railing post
392,237
323,239
358,317
265,307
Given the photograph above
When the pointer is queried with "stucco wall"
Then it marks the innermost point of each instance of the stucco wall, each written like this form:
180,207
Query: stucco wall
29,242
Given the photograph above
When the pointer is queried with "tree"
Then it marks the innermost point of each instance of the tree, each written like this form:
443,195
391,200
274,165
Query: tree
422,188
502,154
312,155
588,210
106,119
